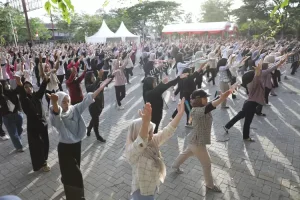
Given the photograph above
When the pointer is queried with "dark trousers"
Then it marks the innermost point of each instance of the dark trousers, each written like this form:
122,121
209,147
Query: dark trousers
2,133
156,118
213,75
38,141
199,81
267,93
207,72
233,80
61,80
37,75
120,93
247,112
187,110
94,123
260,107
276,77
69,157
128,71
294,68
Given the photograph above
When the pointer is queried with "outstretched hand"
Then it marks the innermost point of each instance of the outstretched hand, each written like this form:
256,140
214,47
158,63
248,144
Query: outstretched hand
146,113
225,95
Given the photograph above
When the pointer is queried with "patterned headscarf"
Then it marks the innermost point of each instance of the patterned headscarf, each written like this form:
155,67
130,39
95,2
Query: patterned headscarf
151,151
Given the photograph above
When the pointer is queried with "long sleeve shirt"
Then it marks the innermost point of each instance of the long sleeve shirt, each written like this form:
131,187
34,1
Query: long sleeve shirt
144,176
73,85
76,65
32,106
71,128
120,78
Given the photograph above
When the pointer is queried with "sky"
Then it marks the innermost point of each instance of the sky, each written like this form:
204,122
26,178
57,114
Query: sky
90,6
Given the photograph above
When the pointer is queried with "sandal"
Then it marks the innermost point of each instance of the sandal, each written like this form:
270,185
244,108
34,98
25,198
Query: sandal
214,189
249,140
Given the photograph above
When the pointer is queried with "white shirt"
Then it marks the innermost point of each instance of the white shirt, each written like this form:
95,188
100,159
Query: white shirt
61,68
144,175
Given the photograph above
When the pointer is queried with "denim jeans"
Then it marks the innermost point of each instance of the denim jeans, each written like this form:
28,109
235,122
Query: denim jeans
13,123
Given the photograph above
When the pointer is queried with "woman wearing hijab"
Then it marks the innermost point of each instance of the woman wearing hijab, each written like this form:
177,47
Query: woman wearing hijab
68,121
52,86
149,65
212,63
127,64
73,85
37,126
95,109
201,134
152,94
10,110
142,152
120,81
256,96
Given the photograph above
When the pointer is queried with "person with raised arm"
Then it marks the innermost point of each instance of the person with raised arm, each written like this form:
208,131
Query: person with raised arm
201,134
37,126
152,93
143,154
256,98
68,121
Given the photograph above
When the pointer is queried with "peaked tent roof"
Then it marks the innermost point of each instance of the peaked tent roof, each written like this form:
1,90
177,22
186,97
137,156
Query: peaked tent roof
124,32
196,27
104,31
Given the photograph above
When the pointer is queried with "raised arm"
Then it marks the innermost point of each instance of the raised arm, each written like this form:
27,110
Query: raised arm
164,135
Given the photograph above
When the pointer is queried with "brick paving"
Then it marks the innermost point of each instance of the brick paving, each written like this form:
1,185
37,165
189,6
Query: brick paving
266,169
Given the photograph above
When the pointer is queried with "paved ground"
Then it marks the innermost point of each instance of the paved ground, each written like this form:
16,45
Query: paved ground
266,169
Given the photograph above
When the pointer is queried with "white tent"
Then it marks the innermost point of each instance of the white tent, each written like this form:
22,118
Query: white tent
102,35
125,34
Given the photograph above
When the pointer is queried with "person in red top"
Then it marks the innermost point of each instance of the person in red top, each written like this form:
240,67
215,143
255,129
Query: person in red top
73,85
74,64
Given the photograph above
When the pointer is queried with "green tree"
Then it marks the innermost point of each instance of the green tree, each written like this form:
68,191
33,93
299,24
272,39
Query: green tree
37,26
215,10
156,14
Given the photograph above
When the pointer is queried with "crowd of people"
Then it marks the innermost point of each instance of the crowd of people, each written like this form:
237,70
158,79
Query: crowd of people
257,66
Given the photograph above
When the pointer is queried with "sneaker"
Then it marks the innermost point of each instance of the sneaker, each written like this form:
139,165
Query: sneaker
226,129
5,137
46,168
177,170
121,108
20,150
188,125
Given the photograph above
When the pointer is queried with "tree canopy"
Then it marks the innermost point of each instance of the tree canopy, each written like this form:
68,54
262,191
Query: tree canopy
19,26
215,10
